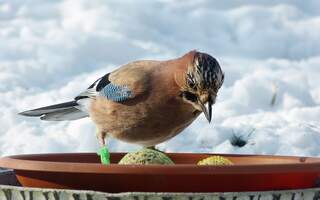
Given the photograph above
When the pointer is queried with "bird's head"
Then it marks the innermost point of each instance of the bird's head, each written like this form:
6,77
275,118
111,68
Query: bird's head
203,79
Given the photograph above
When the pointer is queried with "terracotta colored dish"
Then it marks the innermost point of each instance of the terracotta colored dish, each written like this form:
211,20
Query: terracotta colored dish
83,171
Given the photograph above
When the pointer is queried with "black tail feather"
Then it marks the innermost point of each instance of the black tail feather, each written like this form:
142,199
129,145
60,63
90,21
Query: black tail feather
49,109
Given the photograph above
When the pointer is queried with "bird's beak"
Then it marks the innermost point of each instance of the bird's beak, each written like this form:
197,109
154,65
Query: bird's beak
207,110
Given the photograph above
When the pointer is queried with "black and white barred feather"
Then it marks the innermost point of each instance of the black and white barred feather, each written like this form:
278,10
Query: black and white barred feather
206,73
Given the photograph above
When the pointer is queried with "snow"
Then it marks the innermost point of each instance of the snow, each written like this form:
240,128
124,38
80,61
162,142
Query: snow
270,51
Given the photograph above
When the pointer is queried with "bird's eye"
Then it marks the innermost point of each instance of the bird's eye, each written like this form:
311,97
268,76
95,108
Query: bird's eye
189,96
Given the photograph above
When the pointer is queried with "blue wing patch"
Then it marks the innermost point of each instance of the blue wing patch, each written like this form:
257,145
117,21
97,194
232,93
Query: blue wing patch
116,93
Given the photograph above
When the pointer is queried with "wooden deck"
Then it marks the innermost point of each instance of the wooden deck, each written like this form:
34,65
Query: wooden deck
10,190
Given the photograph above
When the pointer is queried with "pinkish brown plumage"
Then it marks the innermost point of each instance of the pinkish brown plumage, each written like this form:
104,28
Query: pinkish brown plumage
145,102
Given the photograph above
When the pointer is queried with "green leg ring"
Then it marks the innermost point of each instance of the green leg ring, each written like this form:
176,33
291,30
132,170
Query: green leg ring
104,155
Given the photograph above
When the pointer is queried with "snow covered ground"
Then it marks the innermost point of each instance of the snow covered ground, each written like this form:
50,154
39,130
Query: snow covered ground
270,52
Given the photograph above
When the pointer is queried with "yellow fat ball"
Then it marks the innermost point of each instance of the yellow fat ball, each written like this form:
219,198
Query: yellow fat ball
215,160
146,157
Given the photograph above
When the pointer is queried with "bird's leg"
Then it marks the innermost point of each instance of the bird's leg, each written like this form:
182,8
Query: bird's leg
103,152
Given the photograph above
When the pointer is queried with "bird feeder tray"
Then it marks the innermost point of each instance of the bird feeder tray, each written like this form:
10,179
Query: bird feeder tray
84,171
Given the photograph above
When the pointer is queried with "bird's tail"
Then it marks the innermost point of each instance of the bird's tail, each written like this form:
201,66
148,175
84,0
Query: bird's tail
58,112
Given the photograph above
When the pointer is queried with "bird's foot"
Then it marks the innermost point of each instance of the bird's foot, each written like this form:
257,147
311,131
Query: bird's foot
104,155
154,148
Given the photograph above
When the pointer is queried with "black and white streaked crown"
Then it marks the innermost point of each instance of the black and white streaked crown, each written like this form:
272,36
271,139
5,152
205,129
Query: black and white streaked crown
206,73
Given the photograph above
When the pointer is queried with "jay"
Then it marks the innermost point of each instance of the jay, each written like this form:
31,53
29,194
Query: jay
144,102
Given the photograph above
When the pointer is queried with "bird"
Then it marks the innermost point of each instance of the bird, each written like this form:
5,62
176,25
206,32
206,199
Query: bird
144,102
